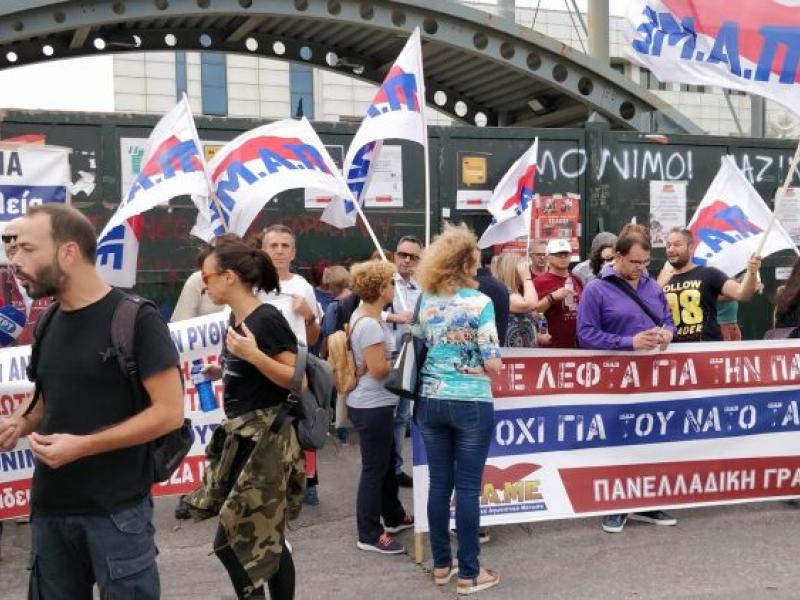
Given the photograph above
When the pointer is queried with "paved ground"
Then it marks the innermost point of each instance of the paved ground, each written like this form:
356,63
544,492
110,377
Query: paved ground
742,552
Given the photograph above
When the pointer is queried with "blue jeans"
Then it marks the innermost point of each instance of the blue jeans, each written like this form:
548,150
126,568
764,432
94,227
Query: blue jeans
402,415
457,434
73,552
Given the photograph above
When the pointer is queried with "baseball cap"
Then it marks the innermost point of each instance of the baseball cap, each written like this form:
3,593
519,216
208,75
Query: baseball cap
560,245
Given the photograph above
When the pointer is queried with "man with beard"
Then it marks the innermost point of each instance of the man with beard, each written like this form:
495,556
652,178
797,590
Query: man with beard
624,309
692,291
91,505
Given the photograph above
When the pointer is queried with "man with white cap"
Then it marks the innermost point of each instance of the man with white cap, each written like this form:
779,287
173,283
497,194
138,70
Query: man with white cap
559,293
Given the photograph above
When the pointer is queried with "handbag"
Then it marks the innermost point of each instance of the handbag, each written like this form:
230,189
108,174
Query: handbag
404,378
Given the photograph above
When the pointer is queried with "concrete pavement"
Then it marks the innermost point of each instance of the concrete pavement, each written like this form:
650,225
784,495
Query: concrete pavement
746,552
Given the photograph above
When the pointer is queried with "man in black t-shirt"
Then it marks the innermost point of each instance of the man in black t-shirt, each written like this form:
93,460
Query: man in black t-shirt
692,291
91,506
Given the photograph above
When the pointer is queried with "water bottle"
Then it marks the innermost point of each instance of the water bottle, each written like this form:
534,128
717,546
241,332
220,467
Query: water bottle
204,386
543,326
569,301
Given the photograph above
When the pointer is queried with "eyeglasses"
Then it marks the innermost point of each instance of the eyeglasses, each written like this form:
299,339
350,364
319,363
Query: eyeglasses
8,239
407,256
206,277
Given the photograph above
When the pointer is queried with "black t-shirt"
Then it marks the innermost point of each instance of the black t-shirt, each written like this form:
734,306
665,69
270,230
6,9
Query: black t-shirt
83,391
692,296
246,388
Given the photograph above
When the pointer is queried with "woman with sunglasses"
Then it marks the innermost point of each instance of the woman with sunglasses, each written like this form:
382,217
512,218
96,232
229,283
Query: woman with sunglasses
255,475
371,410
601,256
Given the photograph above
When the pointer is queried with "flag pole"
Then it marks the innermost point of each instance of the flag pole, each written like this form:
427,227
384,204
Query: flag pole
374,238
211,194
425,153
779,202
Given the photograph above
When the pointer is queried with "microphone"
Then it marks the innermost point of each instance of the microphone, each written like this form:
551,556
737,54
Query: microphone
12,322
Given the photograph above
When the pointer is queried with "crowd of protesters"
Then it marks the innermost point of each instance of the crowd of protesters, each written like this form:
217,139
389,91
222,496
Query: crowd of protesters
465,304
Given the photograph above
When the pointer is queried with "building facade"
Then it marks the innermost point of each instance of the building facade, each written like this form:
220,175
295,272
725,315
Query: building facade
248,86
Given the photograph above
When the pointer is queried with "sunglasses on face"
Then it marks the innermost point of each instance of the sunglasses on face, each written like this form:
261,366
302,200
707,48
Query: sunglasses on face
407,256
607,258
8,239
206,277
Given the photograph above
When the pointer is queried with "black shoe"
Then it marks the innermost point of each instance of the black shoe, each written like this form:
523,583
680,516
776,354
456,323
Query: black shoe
182,510
614,523
655,517
404,480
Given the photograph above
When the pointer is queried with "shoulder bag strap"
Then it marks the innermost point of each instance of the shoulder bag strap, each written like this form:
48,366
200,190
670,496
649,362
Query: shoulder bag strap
38,335
300,363
631,293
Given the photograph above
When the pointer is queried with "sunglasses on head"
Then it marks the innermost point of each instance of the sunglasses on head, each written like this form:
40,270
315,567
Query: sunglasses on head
7,239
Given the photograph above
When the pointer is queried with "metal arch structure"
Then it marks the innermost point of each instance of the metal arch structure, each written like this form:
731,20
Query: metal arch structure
479,69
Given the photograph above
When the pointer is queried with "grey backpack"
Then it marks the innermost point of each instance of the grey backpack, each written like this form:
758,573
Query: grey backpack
309,410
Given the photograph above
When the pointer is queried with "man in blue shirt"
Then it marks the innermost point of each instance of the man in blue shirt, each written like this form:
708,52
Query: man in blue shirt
611,318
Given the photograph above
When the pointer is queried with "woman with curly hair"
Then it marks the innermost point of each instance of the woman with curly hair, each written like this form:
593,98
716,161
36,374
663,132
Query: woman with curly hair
371,410
514,272
455,411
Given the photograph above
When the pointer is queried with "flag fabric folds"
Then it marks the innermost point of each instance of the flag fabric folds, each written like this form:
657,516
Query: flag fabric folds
396,112
511,204
172,166
261,163
730,222
747,46
118,253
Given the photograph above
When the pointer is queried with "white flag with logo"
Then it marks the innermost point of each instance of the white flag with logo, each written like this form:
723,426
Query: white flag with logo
118,253
172,166
748,46
511,203
260,164
396,112
730,222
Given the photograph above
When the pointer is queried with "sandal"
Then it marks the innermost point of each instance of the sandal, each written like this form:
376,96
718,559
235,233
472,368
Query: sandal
445,579
474,585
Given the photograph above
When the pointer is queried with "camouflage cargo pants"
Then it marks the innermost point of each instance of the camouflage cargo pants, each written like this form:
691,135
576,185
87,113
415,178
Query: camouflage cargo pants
254,506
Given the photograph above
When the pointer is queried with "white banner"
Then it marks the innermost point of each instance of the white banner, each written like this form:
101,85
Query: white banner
31,175
194,338
748,46
582,433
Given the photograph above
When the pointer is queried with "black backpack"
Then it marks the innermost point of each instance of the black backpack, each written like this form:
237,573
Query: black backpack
308,410
169,450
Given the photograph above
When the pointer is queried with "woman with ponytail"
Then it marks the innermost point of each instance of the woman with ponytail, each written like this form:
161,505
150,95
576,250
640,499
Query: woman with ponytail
255,476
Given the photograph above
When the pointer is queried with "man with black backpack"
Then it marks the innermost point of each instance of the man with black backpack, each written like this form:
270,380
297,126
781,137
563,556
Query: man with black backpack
90,431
